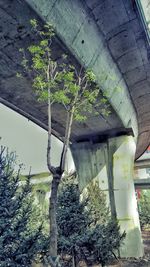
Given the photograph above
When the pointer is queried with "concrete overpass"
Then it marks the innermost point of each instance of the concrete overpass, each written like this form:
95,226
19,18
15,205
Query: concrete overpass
115,44
142,180
108,37
142,183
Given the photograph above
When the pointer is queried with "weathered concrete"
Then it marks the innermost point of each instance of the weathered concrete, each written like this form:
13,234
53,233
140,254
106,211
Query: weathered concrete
125,199
107,37
122,37
116,46
18,93
89,160
117,154
86,42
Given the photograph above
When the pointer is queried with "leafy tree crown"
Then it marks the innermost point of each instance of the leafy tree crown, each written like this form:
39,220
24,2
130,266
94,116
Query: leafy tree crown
60,82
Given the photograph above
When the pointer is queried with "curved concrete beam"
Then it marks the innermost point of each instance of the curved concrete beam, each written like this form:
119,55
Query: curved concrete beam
116,46
15,34
96,30
78,30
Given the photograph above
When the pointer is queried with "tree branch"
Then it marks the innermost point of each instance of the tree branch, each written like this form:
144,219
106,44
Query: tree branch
51,169
69,122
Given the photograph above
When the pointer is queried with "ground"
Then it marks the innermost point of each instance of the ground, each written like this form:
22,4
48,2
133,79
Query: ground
142,262
145,261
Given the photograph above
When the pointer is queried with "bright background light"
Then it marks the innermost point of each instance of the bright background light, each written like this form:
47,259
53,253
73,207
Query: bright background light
29,141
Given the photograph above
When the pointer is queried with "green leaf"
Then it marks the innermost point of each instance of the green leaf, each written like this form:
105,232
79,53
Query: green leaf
36,49
21,50
44,43
79,117
61,97
38,63
33,23
90,76
18,75
39,83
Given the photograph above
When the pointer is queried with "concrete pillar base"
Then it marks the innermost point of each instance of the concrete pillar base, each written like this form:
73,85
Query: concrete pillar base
123,150
117,154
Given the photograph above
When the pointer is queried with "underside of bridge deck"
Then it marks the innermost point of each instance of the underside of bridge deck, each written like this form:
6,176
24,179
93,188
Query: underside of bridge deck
17,93
117,25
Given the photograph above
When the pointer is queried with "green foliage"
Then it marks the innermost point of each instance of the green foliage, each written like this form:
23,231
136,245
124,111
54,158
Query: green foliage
72,218
144,208
83,234
60,82
21,231
97,204
18,75
102,242
33,23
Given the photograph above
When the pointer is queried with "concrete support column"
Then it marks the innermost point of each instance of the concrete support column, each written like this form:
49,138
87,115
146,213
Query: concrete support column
122,152
117,156
89,159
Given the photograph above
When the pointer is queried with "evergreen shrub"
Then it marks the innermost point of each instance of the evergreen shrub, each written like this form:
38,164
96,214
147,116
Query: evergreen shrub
21,233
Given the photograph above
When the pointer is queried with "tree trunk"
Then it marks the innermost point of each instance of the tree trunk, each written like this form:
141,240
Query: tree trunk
52,216
66,139
73,261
